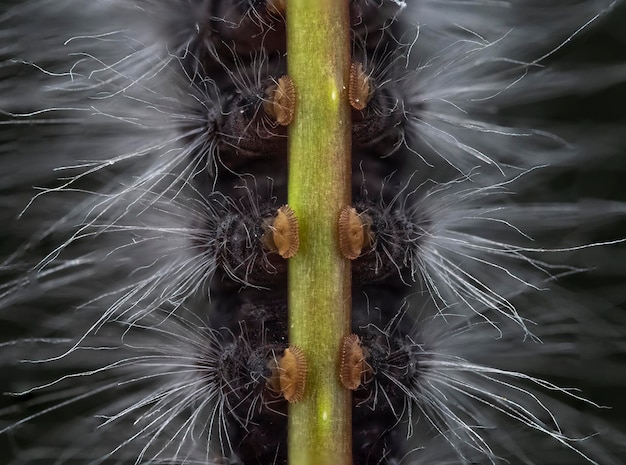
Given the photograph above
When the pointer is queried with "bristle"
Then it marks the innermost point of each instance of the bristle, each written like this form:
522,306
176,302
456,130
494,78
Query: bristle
276,6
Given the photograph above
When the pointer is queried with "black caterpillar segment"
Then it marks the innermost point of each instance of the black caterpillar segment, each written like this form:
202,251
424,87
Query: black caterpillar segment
237,234
253,123
395,228
242,119
372,20
381,406
254,336
242,253
230,33
377,97
261,313
248,131
257,418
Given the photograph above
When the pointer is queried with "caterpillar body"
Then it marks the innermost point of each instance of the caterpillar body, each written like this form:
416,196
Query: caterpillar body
146,233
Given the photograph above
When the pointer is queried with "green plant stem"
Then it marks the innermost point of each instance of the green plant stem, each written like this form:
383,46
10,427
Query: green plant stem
319,186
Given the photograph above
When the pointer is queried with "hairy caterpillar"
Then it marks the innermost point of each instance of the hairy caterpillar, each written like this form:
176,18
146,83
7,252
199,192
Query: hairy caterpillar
144,156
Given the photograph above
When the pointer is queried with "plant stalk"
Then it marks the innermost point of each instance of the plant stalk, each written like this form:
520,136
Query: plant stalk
320,425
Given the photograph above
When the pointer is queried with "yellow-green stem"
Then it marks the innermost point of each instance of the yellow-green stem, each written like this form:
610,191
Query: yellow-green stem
319,186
